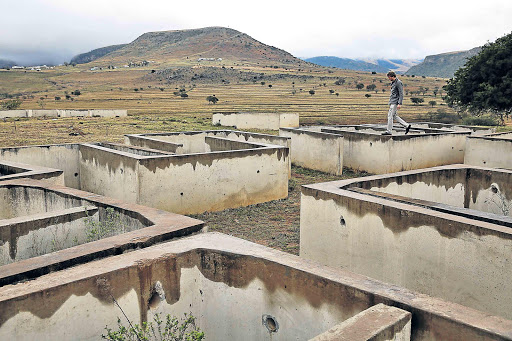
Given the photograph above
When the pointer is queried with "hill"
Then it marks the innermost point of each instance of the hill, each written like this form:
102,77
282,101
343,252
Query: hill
4,63
442,65
210,44
95,54
377,65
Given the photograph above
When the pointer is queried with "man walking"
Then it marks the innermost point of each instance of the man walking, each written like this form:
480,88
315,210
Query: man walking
395,102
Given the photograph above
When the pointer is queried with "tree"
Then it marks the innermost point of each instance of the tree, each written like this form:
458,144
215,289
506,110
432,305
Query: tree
311,92
484,83
331,91
340,81
183,95
371,87
367,95
359,86
212,99
76,93
432,103
417,100
11,104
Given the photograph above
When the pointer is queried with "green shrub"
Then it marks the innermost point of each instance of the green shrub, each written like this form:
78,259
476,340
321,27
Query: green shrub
484,120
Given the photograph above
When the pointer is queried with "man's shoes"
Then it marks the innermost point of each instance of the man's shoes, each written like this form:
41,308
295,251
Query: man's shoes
386,133
407,129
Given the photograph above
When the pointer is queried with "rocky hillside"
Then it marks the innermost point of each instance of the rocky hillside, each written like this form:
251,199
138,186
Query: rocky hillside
442,65
95,54
210,44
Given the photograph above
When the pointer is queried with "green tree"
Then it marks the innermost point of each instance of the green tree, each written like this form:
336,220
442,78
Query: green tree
371,87
417,100
311,92
212,99
484,83
359,86
432,103
11,104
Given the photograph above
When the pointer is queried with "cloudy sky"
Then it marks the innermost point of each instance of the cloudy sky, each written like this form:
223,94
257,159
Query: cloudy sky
55,30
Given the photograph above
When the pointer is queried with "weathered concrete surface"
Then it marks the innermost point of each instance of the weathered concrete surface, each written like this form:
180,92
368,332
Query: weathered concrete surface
315,150
494,150
378,323
246,120
14,170
19,198
441,254
474,130
57,156
231,286
63,113
367,150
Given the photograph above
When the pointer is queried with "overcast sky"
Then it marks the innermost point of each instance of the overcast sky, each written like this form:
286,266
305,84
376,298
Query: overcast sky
56,30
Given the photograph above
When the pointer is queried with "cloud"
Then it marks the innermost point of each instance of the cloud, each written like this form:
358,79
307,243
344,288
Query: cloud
401,29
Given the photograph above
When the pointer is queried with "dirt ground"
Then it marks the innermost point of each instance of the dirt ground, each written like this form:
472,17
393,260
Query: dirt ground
276,223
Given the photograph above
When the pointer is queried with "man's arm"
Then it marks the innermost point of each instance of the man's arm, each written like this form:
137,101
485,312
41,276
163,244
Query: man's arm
400,89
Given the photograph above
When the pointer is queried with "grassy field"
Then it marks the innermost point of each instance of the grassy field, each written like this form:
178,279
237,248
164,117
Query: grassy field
154,107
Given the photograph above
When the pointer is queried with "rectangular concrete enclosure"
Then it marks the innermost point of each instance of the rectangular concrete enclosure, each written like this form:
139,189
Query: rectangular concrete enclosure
237,290
46,227
492,150
315,149
365,149
63,113
187,172
443,231
256,120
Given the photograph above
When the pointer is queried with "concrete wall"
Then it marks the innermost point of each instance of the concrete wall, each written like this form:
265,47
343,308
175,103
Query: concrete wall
13,170
489,151
63,113
58,156
440,254
146,141
270,121
381,323
189,183
232,287
39,234
474,130
379,154
315,150
195,183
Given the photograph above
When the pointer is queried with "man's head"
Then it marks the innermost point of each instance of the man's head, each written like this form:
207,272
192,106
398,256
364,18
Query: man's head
391,75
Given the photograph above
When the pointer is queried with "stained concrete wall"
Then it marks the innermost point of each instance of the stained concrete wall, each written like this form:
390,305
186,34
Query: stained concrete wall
188,183
474,130
374,153
232,287
147,141
444,255
271,121
489,151
58,156
13,170
315,150
38,234
63,113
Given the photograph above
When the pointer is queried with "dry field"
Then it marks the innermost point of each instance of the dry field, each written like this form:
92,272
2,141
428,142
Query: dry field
154,108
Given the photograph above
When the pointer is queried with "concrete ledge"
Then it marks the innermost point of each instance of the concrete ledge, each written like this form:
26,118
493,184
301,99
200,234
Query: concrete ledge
246,120
492,150
378,323
63,113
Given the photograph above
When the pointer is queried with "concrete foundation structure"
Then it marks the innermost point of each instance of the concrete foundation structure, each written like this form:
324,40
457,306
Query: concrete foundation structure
492,150
442,231
315,150
365,149
45,227
205,171
63,113
474,130
237,290
254,120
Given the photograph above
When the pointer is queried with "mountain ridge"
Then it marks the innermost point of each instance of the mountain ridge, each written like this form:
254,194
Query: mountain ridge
443,65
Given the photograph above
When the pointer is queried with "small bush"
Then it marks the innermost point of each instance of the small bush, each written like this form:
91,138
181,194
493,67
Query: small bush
484,120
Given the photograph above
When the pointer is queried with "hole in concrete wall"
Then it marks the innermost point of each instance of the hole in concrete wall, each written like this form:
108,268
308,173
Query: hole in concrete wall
270,323
258,171
371,144
181,193
342,221
76,174
157,295
494,188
